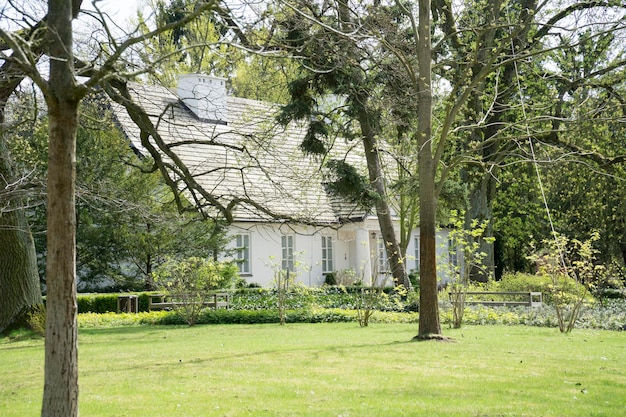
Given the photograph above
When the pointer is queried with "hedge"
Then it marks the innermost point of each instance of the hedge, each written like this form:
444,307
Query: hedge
257,299
107,303
226,316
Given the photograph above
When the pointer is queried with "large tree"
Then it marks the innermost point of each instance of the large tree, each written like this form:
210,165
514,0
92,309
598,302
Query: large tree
333,64
504,57
63,93
429,316
483,57
126,224
19,278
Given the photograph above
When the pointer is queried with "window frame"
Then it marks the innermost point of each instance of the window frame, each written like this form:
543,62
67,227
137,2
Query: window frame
453,253
242,248
383,260
416,251
287,244
328,254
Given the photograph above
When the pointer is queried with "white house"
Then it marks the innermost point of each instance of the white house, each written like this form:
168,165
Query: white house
283,216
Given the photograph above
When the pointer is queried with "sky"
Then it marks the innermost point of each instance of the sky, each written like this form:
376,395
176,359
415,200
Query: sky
120,12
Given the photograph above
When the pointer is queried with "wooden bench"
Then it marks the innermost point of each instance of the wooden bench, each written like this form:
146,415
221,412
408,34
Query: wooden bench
169,302
490,298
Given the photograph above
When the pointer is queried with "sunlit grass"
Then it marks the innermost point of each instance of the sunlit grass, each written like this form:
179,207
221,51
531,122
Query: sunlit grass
329,370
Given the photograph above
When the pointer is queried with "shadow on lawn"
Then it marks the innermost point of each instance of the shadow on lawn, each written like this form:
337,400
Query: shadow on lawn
126,333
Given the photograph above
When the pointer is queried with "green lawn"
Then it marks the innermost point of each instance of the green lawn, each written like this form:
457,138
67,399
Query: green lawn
329,370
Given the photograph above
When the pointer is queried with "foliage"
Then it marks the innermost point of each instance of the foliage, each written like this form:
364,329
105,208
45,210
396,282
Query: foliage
588,197
107,303
609,316
519,219
522,282
191,281
329,279
188,49
229,316
370,299
346,277
570,262
365,301
466,244
263,78
97,303
346,181
337,304
197,48
127,224
584,201
283,281
343,297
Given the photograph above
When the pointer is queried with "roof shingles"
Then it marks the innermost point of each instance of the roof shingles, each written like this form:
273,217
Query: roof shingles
251,157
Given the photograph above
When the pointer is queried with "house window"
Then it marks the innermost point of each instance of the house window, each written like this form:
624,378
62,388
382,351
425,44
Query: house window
383,261
416,244
327,254
242,246
287,252
452,253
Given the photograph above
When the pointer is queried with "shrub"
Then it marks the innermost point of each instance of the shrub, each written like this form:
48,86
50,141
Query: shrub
329,279
144,301
36,319
191,281
414,278
520,282
346,277
106,303
226,316
324,297
97,303
610,316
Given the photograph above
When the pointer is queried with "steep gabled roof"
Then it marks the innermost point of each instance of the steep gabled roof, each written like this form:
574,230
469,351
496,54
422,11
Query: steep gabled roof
248,157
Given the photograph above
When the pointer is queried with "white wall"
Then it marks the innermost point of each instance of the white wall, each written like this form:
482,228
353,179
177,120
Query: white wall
266,251
353,244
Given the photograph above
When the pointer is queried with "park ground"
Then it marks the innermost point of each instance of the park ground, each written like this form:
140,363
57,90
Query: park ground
329,369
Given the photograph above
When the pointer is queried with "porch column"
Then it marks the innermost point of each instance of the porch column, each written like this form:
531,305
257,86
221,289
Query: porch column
363,256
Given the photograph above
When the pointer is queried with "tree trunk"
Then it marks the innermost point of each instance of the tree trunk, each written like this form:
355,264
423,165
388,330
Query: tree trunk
19,277
429,324
60,396
61,359
369,130
383,211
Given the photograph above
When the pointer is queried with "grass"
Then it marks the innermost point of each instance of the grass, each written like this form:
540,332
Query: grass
329,370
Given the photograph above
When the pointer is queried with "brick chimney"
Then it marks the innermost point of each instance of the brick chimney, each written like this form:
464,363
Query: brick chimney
205,96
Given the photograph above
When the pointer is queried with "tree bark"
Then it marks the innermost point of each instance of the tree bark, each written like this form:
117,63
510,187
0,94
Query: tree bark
19,277
383,211
429,324
60,396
